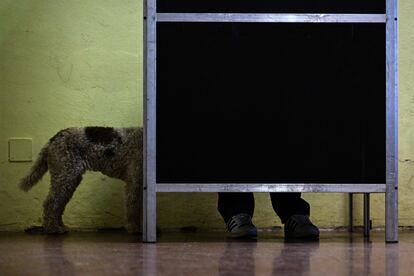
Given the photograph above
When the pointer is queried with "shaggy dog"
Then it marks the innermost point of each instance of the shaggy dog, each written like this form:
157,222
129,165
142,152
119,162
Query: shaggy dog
115,152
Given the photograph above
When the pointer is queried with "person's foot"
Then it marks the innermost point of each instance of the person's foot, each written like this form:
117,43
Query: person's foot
300,227
241,226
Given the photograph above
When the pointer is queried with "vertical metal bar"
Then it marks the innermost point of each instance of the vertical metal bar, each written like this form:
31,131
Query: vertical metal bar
367,223
391,195
351,212
149,198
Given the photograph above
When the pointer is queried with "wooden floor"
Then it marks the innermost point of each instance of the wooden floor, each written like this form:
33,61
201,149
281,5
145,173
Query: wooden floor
117,253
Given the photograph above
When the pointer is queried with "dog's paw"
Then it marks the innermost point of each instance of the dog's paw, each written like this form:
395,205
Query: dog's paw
34,229
46,230
56,230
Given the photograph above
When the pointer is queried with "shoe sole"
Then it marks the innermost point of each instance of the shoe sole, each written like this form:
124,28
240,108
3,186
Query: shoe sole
250,233
304,237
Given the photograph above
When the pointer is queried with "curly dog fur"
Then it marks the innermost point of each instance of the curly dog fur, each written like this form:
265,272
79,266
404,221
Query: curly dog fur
115,152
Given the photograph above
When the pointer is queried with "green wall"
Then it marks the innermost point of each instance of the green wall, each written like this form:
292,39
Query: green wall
78,63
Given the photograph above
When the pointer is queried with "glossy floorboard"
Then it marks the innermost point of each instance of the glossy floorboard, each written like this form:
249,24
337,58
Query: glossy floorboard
117,253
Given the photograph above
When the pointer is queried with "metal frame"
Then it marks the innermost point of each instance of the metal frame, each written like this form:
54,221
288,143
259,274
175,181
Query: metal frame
269,188
271,18
366,210
367,221
351,212
149,193
391,194
151,188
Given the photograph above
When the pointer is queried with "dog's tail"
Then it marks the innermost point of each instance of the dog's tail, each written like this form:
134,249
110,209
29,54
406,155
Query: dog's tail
36,172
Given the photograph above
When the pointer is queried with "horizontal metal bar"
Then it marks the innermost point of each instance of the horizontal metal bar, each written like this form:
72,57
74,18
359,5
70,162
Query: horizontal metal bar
265,188
271,17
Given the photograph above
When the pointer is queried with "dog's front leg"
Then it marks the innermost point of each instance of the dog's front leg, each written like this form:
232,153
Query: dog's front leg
133,198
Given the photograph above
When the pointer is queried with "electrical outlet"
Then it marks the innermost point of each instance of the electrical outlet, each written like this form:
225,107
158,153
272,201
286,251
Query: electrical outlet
20,149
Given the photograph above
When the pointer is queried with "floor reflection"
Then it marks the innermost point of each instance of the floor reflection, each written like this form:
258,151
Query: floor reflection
54,256
203,254
294,258
392,258
238,258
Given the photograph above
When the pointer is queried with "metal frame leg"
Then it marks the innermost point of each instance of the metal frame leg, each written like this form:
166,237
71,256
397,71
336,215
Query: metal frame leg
391,195
149,190
351,212
391,215
149,215
367,220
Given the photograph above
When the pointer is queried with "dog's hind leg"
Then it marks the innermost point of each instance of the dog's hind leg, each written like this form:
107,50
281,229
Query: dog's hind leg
61,191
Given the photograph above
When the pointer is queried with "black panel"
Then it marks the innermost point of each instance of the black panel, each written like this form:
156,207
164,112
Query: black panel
270,103
272,6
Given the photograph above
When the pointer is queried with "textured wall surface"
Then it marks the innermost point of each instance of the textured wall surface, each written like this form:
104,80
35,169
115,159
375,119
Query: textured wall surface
77,63
66,63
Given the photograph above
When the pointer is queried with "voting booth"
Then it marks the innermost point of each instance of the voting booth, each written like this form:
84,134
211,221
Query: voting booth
271,96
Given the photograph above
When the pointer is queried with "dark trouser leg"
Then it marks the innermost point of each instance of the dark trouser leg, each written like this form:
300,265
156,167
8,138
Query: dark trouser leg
288,204
230,204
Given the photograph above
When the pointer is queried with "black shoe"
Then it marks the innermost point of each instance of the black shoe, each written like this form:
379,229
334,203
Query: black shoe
300,227
241,226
